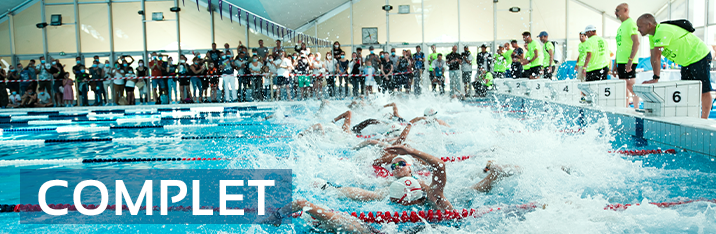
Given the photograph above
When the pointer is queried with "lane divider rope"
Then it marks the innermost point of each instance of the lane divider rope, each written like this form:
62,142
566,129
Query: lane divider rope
132,140
174,126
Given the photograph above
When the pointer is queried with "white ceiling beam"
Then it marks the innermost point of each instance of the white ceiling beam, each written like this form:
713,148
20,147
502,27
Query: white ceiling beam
325,16
610,16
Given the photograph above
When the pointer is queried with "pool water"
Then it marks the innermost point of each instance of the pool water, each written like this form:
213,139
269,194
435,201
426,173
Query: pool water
485,129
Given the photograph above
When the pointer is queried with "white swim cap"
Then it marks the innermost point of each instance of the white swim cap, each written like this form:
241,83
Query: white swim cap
407,159
406,189
430,112
394,131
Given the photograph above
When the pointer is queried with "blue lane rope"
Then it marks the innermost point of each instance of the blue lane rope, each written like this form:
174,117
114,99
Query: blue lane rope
145,127
39,141
251,115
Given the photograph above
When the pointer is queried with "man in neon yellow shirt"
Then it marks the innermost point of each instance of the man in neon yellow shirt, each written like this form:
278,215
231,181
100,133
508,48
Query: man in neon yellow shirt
596,62
431,58
535,50
548,62
526,67
683,48
582,54
500,62
627,48
508,59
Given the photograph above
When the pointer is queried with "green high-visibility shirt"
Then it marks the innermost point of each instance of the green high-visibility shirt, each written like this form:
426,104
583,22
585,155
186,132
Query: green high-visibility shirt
547,47
508,56
488,77
531,47
680,46
582,53
500,63
600,53
431,58
624,43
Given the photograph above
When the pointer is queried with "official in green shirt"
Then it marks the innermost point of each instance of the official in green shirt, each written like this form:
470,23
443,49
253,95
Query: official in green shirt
535,53
683,48
596,62
508,58
500,62
582,54
432,57
627,48
548,62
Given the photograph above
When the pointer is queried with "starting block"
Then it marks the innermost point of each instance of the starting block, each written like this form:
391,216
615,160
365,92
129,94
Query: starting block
535,88
501,86
516,86
607,93
564,90
671,98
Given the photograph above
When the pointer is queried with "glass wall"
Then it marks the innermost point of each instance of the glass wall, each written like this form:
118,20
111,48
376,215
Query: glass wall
440,18
94,28
127,25
28,38
61,38
5,38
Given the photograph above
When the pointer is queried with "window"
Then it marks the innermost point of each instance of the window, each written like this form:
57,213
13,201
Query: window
61,38
28,38
94,28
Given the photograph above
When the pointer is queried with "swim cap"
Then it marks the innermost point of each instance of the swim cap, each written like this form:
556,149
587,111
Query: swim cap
407,159
406,189
394,131
430,112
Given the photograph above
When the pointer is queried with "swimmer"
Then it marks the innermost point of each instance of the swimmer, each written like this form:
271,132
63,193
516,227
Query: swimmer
346,126
326,220
394,116
406,189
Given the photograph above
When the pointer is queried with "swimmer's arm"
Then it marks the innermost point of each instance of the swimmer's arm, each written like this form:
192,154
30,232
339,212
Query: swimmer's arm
443,123
395,109
437,166
406,131
370,142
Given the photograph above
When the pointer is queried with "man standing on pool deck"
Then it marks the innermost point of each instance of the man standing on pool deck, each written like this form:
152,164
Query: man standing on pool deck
627,48
683,48
548,62
596,62
534,49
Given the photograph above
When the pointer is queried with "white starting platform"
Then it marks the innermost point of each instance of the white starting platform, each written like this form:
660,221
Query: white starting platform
535,88
671,98
516,86
564,90
607,93
501,85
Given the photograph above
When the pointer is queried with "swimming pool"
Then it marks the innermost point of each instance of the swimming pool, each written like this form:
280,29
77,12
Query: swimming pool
542,141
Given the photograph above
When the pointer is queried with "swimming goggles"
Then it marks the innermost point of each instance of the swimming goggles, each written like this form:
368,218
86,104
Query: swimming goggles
398,164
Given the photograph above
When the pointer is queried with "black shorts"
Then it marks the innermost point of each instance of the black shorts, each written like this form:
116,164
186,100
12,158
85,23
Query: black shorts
214,81
466,75
535,71
700,70
184,81
621,71
597,75
548,74
282,80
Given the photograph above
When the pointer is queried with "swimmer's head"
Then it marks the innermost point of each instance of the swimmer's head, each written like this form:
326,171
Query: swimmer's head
406,191
402,166
394,131
430,112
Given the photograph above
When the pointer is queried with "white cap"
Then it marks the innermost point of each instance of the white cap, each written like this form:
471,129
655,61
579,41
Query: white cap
394,131
590,28
406,189
430,112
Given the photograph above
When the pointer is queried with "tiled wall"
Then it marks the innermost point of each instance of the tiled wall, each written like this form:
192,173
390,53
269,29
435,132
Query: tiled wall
690,138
